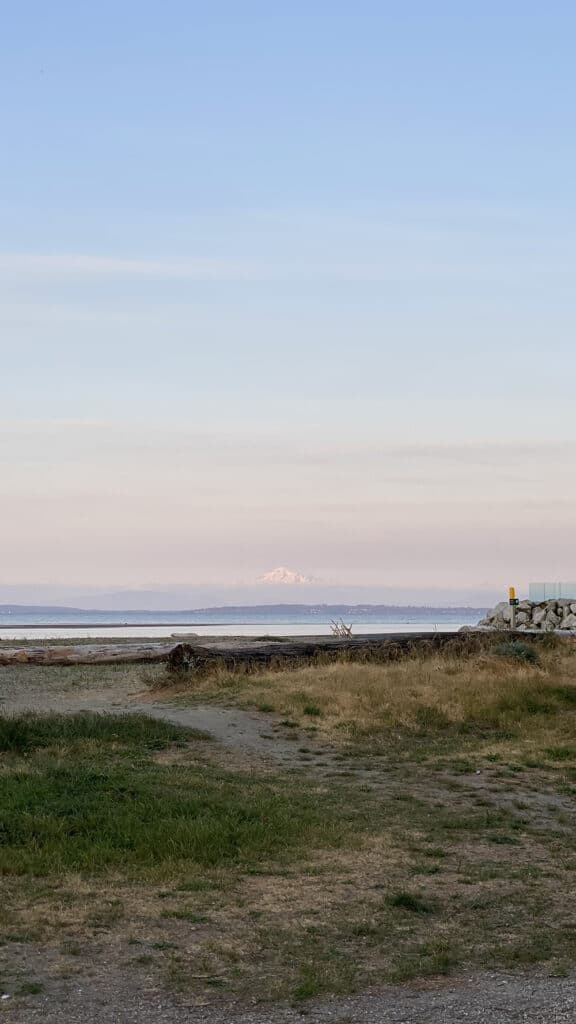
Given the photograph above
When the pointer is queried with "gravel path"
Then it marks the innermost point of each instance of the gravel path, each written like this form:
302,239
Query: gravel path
485,998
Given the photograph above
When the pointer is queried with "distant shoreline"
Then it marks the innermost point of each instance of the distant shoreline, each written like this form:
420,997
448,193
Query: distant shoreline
122,625
161,625
314,608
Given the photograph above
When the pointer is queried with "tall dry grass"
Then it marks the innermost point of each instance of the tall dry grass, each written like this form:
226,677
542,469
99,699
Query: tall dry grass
483,694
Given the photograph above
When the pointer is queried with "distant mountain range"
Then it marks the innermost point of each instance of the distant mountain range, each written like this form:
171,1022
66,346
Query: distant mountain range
301,610
246,595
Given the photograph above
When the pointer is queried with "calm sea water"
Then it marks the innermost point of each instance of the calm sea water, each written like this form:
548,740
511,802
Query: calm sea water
165,624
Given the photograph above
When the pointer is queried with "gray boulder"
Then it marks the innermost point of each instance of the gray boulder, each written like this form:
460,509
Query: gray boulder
499,608
533,615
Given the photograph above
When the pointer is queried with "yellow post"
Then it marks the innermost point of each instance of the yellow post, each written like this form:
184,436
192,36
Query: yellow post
513,602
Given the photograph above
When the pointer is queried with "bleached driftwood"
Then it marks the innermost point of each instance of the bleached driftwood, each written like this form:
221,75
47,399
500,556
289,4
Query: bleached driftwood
339,628
85,654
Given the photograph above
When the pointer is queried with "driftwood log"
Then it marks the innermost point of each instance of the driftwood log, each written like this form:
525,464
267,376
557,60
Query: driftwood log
85,654
187,658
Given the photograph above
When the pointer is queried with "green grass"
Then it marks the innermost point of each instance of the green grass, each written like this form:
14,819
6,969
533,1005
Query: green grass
410,901
184,915
30,988
563,753
427,959
88,796
31,732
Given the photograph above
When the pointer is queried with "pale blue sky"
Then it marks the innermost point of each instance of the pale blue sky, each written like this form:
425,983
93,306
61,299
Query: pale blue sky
306,229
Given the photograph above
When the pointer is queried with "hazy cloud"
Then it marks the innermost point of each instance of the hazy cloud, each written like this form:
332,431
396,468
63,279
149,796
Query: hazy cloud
110,504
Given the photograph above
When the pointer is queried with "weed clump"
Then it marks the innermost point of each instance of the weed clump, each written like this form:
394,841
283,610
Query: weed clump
410,901
518,650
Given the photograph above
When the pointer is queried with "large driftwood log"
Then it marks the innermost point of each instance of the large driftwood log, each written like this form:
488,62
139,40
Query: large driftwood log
195,658
85,654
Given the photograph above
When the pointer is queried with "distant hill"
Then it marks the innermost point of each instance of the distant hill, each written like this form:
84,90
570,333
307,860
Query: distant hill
307,610
38,609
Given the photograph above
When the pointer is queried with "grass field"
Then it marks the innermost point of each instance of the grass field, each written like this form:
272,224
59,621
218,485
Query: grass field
86,793
443,838
511,697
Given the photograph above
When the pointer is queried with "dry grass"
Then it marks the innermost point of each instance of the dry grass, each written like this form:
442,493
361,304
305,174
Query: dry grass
483,696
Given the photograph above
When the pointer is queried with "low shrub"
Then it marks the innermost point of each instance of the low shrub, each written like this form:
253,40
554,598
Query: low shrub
518,650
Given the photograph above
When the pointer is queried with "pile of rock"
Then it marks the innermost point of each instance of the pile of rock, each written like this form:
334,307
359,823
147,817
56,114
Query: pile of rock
544,616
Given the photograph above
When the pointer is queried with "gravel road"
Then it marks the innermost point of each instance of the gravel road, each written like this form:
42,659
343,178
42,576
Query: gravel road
484,998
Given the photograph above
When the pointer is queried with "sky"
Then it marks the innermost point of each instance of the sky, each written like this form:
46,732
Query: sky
287,284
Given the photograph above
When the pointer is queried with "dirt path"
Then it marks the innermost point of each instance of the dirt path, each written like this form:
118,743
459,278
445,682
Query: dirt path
248,734
483,998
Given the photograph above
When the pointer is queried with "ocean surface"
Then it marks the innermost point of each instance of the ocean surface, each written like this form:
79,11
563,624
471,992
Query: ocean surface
236,622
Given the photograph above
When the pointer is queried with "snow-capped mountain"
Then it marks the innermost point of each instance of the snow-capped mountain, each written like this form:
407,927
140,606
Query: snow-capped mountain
284,575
